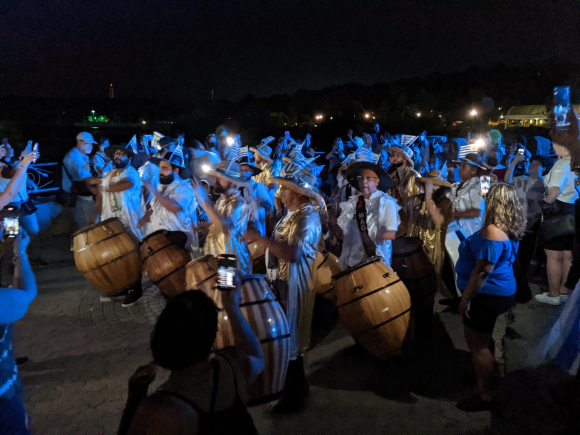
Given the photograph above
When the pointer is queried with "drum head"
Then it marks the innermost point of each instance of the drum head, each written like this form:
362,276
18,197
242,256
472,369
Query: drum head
358,266
404,246
98,224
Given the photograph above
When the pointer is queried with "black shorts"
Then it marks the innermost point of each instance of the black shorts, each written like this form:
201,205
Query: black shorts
484,311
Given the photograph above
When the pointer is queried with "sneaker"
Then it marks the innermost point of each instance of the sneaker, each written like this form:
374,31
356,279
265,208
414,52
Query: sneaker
563,298
132,297
550,300
105,299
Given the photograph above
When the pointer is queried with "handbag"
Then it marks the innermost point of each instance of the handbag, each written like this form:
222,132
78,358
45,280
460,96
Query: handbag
555,227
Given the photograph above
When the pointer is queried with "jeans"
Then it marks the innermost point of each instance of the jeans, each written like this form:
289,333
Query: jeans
12,416
82,211
30,224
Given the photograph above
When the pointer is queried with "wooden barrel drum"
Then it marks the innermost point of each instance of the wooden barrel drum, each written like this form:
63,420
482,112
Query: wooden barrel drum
415,269
328,266
164,263
374,305
268,321
258,255
201,273
108,256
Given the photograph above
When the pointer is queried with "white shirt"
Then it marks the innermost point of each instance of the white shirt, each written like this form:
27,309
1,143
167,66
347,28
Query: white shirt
125,205
261,200
77,165
181,192
467,198
561,176
149,172
382,214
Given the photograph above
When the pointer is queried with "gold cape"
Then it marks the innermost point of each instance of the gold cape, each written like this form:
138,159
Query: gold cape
302,229
217,243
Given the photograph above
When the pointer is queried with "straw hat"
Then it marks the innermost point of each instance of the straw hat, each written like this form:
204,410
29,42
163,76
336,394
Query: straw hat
229,170
296,177
406,152
437,176
264,152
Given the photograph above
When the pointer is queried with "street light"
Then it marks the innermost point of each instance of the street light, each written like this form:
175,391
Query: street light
418,114
367,115
94,120
473,112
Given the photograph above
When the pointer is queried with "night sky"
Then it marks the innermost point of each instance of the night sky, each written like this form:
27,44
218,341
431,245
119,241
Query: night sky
182,49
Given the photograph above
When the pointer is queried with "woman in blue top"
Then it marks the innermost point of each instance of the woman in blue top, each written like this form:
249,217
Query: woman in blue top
487,283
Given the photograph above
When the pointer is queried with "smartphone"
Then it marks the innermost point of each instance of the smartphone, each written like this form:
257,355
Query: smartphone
226,271
35,149
521,151
561,106
11,227
484,184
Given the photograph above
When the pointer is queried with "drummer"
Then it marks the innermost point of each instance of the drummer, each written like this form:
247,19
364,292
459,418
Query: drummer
370,221
229,217
269,168
404,187
121,190
174,205
261,201
121,198
434,215
290,256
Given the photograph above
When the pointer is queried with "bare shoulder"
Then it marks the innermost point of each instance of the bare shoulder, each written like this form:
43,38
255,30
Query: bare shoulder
495,233
164,413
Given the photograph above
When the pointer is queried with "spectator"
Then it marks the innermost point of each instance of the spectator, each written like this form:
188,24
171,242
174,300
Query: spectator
14,302
486,280
182,342
376,128
530,192
424,148
560,184
25,205
336,156
211,144
77,178
100,163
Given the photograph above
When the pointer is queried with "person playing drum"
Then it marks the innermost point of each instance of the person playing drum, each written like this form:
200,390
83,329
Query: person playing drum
370,221
404,190
434,215
174,206
121,198
229,217
291,255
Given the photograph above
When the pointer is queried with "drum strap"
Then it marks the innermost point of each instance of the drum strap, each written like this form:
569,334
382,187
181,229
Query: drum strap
361,220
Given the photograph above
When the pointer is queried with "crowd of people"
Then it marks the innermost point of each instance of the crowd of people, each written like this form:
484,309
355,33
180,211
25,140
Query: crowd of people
469,203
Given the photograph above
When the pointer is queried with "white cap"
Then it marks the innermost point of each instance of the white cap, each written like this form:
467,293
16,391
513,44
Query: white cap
87,137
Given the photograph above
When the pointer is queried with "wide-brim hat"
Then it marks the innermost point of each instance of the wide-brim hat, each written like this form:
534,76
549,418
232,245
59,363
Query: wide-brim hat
406,152
295,176
474,160
355,168
264,151
174,158
246,157
436,176
112,149
229,170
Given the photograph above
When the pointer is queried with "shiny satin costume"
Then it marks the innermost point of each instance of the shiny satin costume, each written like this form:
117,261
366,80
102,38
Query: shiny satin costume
270,170
406,192
433,238
216,243
303,228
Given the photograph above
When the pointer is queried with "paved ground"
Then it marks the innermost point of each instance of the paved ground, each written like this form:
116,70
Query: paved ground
82,352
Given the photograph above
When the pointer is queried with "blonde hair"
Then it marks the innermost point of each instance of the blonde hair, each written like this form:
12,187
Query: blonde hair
503,209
